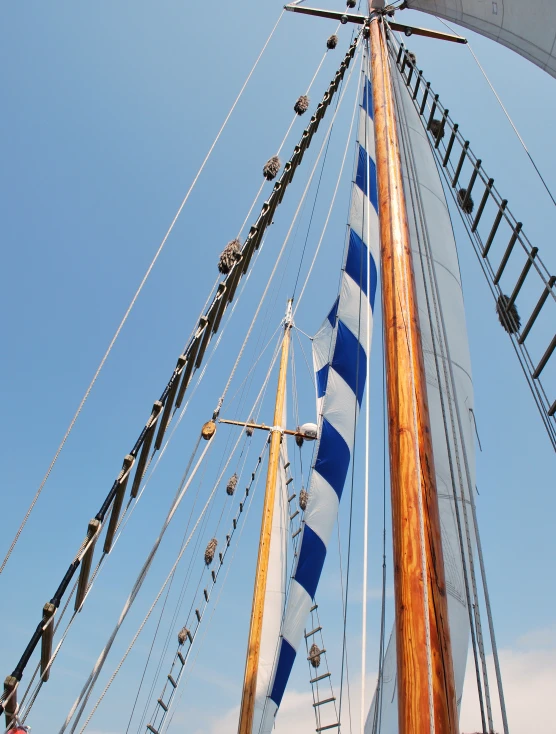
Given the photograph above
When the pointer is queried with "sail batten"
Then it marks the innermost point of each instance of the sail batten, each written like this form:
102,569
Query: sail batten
340,359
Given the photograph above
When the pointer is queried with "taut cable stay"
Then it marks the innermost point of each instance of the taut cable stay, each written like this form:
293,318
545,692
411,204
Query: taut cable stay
132,304
192,357
505,254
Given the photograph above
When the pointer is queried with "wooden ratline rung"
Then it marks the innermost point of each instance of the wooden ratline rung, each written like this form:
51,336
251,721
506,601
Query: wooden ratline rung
450,144
290,480
316,654
204,328
147,442
509,249
152,729
326,700
469,189
313,632
440,133
222,302
425,97
10,706
521,280
544,359
315,606
536,311
213,574
329,726
433,111
86,561
292,497
461,161
129,460
181,658
496,224
172,681
320,677
162,704
296,533
169,404
48,612
417,84
295,514
205,592
198,615
552,409
480,210
400,52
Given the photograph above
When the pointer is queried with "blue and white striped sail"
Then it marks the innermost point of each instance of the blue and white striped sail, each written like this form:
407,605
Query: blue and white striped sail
340,353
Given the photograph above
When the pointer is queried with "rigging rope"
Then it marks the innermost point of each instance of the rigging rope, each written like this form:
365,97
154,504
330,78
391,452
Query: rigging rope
87,688
133,300
505,111
98,666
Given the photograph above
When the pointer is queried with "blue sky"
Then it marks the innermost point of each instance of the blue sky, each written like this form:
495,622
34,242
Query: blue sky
108,111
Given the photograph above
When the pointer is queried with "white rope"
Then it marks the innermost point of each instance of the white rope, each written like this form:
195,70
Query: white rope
505,111
134,299
216,485
367,442
279,257
331,205
84,695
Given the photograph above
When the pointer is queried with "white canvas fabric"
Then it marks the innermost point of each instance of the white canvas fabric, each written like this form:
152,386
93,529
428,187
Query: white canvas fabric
528,28
433,220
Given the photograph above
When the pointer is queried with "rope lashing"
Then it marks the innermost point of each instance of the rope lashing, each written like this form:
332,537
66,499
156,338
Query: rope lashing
332,42
271,168
210,323
436,129
299,439
249,430
303,498
230,254
508,314
314,655
351,3
210,551
232,484
302,105
183,634
465,201
411,56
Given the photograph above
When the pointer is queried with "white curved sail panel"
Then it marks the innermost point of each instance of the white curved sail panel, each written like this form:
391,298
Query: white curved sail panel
275,597
446,356
340,352
528,27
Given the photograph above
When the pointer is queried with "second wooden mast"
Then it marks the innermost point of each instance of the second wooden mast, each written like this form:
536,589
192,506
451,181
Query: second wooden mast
426,689
256,626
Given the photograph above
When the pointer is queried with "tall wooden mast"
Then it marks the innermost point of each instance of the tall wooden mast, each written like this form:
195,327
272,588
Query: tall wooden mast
255,629
426,690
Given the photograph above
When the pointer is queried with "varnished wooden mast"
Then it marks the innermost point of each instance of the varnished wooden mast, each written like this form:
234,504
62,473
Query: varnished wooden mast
426,690
255,630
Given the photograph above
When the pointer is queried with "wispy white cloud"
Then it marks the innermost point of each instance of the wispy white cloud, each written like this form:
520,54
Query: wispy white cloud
529,677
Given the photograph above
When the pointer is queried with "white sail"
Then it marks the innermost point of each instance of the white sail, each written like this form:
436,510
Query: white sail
340,352
275,599
275,595
528,28
449,384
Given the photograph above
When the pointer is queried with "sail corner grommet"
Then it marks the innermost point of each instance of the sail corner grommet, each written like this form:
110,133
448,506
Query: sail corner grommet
208,430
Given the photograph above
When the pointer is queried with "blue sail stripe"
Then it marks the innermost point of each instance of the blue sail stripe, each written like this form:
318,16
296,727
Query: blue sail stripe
285,664
311,561
332,457
322,379
367,103
365,177
348,362
356,261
